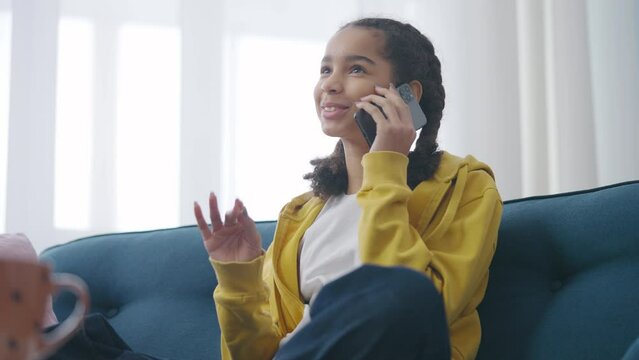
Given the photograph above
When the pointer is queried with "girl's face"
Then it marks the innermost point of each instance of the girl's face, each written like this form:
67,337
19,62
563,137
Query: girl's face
352,65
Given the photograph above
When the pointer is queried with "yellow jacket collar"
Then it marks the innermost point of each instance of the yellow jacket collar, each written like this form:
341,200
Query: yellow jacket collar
451,164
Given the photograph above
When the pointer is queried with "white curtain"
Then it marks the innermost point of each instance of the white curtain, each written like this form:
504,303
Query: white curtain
115,115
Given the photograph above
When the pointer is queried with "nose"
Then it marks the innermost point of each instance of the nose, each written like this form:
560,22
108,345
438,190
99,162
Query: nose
332,84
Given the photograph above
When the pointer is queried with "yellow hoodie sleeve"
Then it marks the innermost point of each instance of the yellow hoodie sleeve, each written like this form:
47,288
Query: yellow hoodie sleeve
385,235
457,261
241,301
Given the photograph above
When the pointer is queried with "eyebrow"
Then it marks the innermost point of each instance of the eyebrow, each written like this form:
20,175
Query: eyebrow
351,58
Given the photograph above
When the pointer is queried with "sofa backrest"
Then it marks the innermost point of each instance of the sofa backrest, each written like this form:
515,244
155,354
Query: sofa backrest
563,281
154,287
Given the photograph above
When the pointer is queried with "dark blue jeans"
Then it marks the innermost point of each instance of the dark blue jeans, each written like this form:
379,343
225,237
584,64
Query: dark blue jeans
374,313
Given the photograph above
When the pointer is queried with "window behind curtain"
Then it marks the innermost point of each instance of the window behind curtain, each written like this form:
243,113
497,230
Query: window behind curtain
117,118
147,148
5,61
74,124
273,123
117,135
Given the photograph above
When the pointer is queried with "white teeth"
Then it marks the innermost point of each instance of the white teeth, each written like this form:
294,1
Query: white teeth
329,108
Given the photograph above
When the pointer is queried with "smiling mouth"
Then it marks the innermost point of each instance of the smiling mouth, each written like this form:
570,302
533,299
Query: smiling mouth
334,112
334,108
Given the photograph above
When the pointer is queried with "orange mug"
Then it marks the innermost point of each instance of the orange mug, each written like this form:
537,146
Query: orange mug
25,287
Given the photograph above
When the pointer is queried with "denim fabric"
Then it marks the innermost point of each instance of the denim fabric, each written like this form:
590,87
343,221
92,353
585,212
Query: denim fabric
374,313
96,340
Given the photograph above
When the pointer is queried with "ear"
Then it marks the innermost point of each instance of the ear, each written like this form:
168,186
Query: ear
416,86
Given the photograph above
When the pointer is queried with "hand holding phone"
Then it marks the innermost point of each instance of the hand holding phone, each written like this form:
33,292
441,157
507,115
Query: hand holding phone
368,127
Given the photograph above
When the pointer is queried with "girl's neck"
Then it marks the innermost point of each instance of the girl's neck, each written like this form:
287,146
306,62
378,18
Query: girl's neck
353,154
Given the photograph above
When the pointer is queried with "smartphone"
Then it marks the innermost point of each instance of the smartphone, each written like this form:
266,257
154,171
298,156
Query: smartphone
368,127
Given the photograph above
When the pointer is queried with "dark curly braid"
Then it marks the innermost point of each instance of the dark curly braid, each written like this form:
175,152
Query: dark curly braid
413,58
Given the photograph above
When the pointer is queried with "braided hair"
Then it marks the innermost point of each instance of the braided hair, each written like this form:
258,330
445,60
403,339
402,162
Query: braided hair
412,56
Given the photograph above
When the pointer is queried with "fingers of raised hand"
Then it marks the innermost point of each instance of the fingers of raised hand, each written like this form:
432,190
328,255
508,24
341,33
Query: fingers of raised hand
214,213
243,215
229,219
201,223
216,219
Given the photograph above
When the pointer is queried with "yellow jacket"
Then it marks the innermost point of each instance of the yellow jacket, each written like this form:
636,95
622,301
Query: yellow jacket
446,228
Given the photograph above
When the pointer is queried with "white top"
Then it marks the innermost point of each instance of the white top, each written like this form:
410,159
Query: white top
330,249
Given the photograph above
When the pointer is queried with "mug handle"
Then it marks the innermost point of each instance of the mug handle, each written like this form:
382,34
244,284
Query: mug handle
61,334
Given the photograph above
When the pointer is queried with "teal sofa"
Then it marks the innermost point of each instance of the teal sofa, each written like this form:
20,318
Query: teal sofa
564,282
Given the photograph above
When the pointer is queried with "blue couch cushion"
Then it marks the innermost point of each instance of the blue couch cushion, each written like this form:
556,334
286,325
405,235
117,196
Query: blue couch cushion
155,287
564,282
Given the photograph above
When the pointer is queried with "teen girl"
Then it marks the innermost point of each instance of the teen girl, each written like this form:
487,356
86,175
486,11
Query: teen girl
388,256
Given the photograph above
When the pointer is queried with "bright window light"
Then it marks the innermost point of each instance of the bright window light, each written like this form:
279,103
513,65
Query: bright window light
147,127
5,60
275,125
74,124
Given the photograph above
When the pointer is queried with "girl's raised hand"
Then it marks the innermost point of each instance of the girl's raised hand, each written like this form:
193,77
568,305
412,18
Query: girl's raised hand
395,131
235,239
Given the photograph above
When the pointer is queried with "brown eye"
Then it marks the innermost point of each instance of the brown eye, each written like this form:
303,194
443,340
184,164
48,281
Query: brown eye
357,69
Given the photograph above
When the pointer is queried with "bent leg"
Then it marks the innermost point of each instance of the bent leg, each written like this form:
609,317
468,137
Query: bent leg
374,313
